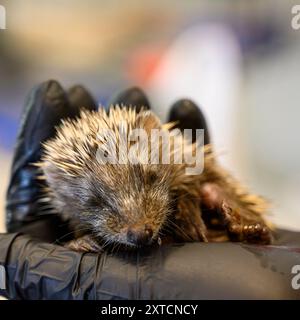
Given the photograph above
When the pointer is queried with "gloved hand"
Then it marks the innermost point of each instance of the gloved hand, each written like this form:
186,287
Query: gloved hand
46,106
37,269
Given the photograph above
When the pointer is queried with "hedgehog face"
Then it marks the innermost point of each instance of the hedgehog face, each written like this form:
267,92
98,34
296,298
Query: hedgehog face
125,204
130,203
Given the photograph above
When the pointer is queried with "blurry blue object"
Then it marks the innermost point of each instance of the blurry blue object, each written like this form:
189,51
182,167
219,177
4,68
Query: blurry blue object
8,131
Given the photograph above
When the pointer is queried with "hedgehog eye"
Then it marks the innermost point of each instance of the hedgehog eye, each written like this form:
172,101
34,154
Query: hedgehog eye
152,177
93,202
96,202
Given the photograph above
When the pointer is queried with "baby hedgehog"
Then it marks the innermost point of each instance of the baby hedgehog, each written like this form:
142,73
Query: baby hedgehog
137,203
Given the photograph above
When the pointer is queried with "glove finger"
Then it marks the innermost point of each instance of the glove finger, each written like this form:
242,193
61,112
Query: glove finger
134,97
80,98
189,116
44,108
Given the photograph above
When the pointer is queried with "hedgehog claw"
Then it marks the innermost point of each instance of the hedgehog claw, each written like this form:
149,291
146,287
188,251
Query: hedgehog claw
84,244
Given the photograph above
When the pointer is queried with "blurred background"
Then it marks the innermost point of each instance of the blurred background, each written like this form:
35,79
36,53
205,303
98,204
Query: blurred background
239,60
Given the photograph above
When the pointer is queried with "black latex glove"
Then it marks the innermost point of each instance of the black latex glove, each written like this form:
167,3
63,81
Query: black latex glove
46,106
188,115
35,269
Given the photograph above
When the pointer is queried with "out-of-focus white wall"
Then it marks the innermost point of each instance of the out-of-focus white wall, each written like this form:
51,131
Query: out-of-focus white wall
207,71
271,132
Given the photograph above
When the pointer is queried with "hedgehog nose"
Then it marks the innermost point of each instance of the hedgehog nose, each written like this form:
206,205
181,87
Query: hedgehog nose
139,236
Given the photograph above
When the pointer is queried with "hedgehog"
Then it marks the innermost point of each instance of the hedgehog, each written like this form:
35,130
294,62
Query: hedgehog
139,203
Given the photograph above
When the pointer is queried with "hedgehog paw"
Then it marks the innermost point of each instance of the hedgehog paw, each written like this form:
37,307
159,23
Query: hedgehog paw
84,244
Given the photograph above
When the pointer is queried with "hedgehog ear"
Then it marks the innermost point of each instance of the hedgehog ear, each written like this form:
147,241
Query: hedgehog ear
147,120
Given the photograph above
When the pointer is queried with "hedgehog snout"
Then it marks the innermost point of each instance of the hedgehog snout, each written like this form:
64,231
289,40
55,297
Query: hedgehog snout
139,235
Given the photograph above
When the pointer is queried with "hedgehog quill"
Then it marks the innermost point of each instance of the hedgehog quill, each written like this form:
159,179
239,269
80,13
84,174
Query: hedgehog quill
139,203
